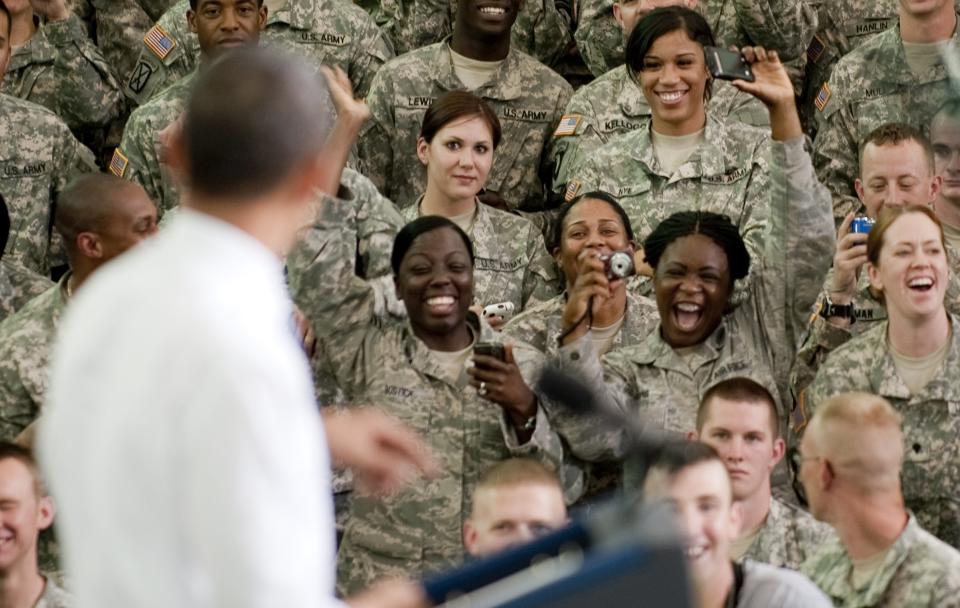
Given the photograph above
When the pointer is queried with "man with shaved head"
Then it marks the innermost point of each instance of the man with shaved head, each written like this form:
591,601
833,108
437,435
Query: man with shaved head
850,461
99,217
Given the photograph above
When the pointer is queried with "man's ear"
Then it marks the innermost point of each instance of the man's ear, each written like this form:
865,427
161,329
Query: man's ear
858,186
192,20
89,245
693,436
470,536
736,518
779,449
826,474
618,14
47,511
935,187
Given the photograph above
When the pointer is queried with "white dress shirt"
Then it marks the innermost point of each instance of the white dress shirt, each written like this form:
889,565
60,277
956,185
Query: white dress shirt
182,440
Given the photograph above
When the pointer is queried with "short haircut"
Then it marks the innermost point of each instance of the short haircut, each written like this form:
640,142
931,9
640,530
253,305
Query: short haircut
740,389
889,215
660,22
595,195
86,205
895,133
860,433
409,233
455,105
715,226
517,471
254,116
25,457
6,12
195,3
4,220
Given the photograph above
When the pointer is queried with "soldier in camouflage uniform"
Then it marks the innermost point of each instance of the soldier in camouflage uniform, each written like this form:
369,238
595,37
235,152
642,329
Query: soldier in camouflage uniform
921,386
614,104
902,160
527,97
59,68
113,213
327,32
874,85
542,29
661,381
786,26
882,556
738,418
38,156
118,26
17,284
389,365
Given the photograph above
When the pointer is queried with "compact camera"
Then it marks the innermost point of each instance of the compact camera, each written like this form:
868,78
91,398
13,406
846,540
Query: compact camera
861,224
504,310
618,265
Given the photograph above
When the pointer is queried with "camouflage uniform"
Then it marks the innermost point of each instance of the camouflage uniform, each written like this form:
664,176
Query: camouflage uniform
614,105
511,263
18,286
38,156
54,596
527,97
382,363
26,340
321,31
540,30
784,25
60,69
823,337
118,26
918,572
729,173
661,387
931,421
871,86
788,536
137,158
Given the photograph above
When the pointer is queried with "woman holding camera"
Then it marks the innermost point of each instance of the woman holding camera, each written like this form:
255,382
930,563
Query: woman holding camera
697,256
686,158
457,141
419,370
911,360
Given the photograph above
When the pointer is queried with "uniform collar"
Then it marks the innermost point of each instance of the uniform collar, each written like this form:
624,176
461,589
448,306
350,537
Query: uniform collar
883,374
419,355
707,160
630,98
37,50
654,350
506,84
889,51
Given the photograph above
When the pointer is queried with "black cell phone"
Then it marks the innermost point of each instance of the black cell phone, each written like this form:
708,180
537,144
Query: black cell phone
490,349
727,65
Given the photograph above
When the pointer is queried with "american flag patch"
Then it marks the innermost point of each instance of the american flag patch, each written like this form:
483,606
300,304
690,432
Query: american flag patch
568,125
118,164
159,41
816,49
822,97
573,189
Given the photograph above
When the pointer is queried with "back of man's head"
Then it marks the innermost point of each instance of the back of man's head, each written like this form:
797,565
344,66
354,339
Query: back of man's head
859,436
514,501
254,117
99,216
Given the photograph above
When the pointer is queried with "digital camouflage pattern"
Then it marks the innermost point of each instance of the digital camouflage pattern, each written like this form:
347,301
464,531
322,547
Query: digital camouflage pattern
728,173
918,572
118,26
511,263
324,32
788,537
931,421
541,30
60,69
527,97
871,86
137,158
26,341
18,286
783,25
613,105
381,362
823,337
38,156
661,386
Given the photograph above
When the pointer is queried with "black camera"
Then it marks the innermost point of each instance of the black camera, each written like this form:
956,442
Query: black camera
618,265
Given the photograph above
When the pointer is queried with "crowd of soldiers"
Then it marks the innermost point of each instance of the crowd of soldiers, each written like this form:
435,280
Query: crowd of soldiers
794,241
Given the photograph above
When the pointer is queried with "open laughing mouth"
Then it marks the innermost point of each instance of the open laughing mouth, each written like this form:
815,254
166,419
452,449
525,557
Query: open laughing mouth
441,305
687,315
